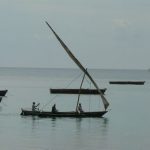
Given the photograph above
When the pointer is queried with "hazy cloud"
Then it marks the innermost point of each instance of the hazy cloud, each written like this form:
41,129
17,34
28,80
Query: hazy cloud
121,23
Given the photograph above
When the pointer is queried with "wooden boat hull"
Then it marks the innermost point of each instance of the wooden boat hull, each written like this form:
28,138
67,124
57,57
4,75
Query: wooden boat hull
76,91
128,82
73,114
3,92
29,112
45,114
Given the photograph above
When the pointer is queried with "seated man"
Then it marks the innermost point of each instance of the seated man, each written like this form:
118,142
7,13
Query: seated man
54,110
80,108
34,107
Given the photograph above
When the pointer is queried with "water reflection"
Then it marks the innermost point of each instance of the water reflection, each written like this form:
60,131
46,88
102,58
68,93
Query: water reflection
87,132
102,121
53,122
34,122
1,108
104,125
80,125
105,121
92,125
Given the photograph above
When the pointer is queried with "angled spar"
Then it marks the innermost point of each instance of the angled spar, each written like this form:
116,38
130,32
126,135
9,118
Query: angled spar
105,102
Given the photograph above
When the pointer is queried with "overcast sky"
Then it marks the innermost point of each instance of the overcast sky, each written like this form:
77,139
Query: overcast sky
108,34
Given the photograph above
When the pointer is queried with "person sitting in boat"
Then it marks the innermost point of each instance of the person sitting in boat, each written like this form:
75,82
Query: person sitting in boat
80,110
54,110
34,106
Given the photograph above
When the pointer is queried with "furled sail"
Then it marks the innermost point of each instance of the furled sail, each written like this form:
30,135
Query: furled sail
105,102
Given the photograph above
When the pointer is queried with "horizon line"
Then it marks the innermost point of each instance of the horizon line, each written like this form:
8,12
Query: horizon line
23,67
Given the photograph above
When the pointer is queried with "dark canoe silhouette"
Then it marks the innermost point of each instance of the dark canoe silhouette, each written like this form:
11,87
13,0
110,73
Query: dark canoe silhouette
63,114
3,92
77,91
1,99
128,82
25,112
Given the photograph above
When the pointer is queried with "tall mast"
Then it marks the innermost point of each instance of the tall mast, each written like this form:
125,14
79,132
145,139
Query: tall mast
80,92
105,102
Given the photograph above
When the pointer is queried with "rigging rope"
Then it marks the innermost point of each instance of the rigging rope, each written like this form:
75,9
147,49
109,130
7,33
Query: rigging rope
73,80
65,87
49,102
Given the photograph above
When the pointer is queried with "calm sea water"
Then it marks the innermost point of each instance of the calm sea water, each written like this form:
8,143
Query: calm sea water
124,127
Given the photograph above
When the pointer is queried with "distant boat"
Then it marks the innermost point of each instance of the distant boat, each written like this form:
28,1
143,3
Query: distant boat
3,92
75,113
128,82
77,91
1,99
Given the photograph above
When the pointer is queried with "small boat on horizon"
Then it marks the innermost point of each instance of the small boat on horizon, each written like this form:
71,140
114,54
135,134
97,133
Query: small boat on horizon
127,82
3,92
77,91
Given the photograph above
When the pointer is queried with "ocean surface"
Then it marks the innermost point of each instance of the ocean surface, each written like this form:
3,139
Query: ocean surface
126,126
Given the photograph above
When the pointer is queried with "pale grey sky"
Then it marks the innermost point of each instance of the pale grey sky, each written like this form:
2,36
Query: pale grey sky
101,33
